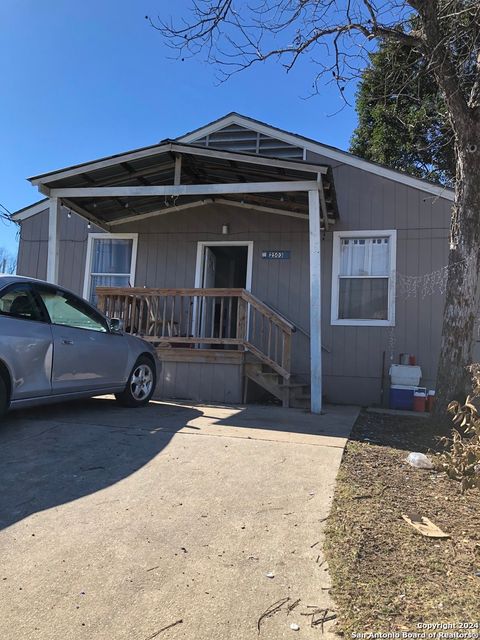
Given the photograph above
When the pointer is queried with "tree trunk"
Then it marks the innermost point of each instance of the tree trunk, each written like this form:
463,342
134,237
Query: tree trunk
461,300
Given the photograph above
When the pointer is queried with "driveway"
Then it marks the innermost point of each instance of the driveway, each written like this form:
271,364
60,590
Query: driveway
117,523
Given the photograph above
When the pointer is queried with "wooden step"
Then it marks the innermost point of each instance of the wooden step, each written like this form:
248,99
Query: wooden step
294,393
267,380
271,376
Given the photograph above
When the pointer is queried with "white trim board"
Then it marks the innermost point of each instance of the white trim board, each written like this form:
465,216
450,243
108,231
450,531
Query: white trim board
316,147
66,206
179,148
160,212
223,243
201,203
88,260
200,263
186,189
315,250
173,209
250,158
32,210
53,249
261,208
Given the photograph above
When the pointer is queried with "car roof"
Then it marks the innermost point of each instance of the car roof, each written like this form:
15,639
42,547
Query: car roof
6,280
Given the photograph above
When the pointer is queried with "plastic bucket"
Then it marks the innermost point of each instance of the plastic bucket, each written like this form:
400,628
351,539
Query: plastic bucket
430,400
419,401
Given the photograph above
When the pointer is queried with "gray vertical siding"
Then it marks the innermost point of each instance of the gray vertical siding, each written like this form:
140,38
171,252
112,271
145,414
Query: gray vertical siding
352,369
201,382
33,246
352,361
32,254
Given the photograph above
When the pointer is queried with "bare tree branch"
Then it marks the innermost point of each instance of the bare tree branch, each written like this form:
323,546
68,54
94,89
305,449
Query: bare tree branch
435,47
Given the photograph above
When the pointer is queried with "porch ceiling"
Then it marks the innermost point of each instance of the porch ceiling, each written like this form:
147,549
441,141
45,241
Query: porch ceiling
173,163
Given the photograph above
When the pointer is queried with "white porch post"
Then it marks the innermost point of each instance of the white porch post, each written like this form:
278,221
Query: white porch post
315,302
53,240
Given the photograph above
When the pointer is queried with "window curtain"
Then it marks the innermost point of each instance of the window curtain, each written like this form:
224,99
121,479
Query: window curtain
111,264
363,295
112,256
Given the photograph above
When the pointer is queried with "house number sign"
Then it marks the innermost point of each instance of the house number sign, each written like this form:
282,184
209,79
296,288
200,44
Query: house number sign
277,254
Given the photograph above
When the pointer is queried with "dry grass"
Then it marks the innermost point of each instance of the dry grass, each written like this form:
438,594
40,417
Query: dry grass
386,576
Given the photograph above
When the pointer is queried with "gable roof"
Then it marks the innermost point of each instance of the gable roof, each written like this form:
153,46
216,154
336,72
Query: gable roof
260,127
309,144
168,145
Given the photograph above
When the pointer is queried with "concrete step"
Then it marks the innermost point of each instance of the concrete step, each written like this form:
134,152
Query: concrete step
295,385
300,403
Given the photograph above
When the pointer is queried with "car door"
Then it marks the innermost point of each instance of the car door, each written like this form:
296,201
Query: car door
26,343
86,355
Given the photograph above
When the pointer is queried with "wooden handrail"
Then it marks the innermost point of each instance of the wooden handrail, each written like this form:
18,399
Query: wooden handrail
147,291
268,311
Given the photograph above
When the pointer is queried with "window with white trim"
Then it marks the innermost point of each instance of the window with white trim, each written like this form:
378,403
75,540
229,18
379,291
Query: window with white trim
363,278
111,259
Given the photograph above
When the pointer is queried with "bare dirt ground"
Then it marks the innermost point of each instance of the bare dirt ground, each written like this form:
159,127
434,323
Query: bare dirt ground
386,576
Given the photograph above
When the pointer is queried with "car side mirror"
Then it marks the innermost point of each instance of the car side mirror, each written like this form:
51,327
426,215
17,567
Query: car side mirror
116,325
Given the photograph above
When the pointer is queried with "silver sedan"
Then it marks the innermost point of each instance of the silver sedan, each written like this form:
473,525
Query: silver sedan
55,346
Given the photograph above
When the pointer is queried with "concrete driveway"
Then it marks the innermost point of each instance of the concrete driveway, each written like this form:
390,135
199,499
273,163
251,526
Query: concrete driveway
117,523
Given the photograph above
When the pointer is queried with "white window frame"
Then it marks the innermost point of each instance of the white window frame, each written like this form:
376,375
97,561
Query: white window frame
338,236
89,259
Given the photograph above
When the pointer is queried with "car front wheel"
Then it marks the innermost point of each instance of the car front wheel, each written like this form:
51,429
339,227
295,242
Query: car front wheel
140,385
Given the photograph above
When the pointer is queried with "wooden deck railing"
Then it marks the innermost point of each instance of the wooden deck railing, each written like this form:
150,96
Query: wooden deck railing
198,317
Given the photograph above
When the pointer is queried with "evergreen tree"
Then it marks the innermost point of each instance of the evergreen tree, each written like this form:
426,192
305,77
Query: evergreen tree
402,116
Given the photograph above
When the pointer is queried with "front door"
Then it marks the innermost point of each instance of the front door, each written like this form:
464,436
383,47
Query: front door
209,269
223,266
86,356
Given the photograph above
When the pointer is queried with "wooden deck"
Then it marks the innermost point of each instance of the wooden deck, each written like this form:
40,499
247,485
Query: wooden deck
207,326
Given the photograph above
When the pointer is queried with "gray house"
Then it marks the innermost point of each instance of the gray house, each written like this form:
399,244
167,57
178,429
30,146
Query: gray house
255,259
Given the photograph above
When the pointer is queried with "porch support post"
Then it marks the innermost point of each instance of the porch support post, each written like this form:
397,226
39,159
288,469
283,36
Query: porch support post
315,302
178,170
53,250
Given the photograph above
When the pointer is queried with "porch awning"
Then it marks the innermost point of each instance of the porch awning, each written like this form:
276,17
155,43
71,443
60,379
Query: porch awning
173,176
185,165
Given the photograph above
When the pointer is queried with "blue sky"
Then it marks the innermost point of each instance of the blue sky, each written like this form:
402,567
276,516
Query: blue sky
81,80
